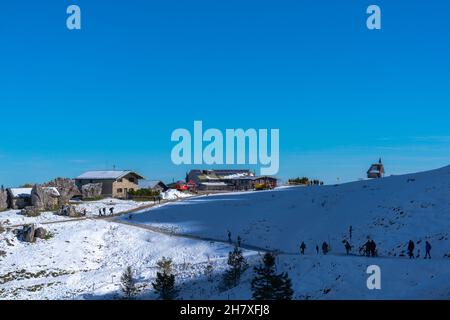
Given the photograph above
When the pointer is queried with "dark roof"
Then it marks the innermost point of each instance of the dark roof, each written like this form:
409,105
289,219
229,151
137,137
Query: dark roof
107,175
151,184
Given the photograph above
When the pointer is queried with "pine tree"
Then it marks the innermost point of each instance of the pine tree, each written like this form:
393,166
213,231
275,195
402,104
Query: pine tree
165,265
164,284
238,265
128,283
267,285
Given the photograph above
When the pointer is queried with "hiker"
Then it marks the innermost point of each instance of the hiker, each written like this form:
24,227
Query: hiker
317,249
351,232
348,247
104,211
84,212
303,248
111,211
366,248
239,240
373,249
325,248
100,212
428,250
411,247
229,237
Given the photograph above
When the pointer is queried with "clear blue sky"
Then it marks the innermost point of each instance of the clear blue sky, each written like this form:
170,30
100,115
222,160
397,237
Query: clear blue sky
112,93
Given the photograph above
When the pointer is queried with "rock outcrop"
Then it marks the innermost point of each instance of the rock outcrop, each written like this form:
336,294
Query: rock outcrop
69,211
44,199
92,190
27,233
3,199
40,233
66,187
31,212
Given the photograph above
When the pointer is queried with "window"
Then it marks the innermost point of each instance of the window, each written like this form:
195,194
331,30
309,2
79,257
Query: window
119,180
132,180
120,190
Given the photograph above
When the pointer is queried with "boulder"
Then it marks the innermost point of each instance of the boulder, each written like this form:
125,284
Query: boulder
69,211
92,190
44,198
3,199
31,211
28,233
40,233
66,187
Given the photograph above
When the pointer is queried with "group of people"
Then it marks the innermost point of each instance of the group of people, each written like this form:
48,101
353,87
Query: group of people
102,211
369,249
325,248
411,247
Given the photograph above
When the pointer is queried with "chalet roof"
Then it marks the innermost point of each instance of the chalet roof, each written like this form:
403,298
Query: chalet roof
150,184
106,175
211,175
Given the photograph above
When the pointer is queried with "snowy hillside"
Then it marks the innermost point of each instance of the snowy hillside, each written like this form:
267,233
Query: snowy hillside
391,211
85,258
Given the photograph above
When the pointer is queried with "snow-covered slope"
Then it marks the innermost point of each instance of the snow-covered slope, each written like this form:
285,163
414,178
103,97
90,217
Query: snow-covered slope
84,259
391,211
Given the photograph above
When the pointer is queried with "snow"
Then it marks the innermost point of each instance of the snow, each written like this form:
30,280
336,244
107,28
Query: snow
92,207
14,217
237,176
84,259
391,211
215,184
20,192
173,194
101,175
52,190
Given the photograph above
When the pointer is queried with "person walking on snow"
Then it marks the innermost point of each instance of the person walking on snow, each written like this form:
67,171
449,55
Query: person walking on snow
373,249
428,250
317,249
111,210
104,211
348,247
367,247
100,212
303,248
229,237
325,248
411,249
